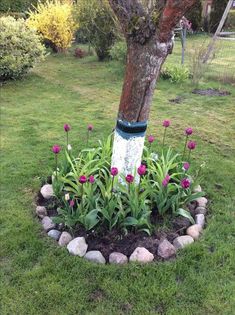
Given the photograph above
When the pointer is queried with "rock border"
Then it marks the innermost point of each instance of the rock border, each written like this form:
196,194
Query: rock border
166,250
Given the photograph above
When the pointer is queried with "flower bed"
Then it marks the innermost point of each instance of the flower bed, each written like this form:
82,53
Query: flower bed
142,216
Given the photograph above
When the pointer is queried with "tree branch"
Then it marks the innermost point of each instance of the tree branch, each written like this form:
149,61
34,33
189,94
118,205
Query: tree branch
171,15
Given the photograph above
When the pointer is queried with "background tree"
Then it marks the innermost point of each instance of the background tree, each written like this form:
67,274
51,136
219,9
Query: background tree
217,10
96,20
195,16
148,30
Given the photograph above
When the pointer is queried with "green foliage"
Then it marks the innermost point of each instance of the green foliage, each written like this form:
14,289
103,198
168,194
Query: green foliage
176,74
109,203
217,10
118,52
96,21
230,23
20,48
16,5
195,16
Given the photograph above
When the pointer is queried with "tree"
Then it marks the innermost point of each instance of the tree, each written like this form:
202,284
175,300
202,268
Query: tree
195,16
217,10
148,29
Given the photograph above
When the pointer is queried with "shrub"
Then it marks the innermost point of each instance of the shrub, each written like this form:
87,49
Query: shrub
96,20
54,20
119,52
176,74
20,48
90,193
16,5
195,16
79,53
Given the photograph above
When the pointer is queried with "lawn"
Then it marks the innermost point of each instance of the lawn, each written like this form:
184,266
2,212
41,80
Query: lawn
37,277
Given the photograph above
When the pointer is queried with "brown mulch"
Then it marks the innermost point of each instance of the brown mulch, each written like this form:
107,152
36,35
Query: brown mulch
211,92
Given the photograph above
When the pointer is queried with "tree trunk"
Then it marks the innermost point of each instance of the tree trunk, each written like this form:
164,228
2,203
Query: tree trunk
143,67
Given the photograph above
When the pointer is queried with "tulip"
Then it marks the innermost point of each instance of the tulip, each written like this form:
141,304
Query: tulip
89,129
166,124
67,129
114,171
91,179
191,146
151,139
56,149
188,132
71,203
129,179
166,180
186,166
82,179
185,183
141,170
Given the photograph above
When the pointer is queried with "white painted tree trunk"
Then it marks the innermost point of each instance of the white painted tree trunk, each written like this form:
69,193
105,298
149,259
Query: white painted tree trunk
127,154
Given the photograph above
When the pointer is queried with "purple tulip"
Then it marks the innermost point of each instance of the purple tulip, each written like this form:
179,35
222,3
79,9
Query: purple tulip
82,179
129,178
185,183
71,203
67,127
141,170
186,166
191,145
114,171
56,149
166,123
151,139
90,127
188,131
166,180
91,179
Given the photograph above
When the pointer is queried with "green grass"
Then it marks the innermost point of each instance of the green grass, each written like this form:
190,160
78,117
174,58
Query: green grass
39,278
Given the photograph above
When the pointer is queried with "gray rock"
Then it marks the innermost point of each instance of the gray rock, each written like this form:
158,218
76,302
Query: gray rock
194,231
47,191
95,256
200,210
166,250
142,255
65,238
200,219
201,202
117,258
77,246
182,241
41,212
47,224
55,234
198,189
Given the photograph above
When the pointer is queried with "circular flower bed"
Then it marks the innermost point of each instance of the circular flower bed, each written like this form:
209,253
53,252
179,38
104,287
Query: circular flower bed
105,216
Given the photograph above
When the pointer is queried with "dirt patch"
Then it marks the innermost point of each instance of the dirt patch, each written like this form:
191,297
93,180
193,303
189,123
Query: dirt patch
211,92
177,100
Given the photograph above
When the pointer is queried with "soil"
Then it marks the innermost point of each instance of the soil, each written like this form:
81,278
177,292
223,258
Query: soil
211,92
109,241
177,100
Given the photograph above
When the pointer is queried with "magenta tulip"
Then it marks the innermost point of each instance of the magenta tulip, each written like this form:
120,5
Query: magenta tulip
129,178
166,123
114,171
82,179
67,127
91,179
56,149
71,203
188,131
90,127
185,183
141,170
191,145
186,166
151,139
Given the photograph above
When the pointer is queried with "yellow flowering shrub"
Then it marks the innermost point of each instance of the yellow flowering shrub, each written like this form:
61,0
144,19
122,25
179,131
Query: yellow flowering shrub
54,20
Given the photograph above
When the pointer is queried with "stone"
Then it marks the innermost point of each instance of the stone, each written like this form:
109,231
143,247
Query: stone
194,231
47,224
65,238
201,202
200,219
95,256
41,212
198,188
47,191
181,223
142,255
200,210
166,250
117,258
77,246
182,241
55,234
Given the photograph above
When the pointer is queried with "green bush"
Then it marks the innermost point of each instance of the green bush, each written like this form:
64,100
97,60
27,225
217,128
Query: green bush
176,74
20,48
195,16
230,23
96,20
119,52
16,5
